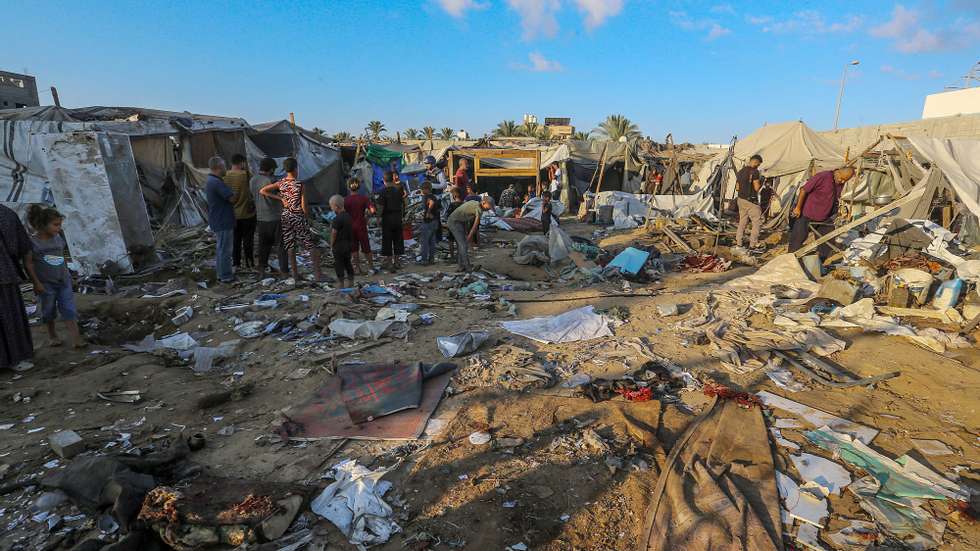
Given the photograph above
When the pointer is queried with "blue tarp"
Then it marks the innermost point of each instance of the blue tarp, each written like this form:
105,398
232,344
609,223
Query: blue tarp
630,261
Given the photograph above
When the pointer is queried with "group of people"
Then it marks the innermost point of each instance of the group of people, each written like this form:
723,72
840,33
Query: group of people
814,209
239,204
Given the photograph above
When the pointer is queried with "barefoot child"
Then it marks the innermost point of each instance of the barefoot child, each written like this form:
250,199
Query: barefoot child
341,241
49,271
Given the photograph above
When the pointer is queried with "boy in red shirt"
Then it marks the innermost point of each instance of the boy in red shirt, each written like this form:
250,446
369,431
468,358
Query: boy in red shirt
357,206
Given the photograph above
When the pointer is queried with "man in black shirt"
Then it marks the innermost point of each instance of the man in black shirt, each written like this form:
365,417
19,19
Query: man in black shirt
392,240
342,241
748,182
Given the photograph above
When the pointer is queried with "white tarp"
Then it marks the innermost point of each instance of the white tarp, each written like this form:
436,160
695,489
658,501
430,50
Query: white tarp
959,161
785,269
79,180
355,504
575,325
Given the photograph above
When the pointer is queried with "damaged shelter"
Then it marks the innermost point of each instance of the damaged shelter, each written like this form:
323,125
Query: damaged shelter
119,174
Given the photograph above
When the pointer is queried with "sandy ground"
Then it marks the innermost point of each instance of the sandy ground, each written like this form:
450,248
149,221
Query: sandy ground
553,490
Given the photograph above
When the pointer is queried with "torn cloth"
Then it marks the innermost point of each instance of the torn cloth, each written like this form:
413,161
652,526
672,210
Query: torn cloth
718,488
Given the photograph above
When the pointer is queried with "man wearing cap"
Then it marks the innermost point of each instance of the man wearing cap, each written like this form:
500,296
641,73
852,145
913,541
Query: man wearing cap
817,204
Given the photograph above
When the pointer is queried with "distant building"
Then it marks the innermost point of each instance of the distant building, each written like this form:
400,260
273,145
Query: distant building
463,135
954,102
17,91
561,127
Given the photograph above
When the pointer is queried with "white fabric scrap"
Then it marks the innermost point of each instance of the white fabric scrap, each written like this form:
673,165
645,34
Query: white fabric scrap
824,475
354,504
575,325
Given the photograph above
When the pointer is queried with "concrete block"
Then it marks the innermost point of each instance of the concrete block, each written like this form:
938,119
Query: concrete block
66,444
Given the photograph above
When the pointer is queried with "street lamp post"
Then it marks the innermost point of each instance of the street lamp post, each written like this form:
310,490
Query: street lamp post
840,96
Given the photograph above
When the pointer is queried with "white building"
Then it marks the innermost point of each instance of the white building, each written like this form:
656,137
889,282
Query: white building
954,102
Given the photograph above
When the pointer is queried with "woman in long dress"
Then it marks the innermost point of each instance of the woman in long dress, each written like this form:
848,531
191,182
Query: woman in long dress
296,231
15,251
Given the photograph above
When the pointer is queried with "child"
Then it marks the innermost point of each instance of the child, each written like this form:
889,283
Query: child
430,224
357,206
341,241
49,271
546,212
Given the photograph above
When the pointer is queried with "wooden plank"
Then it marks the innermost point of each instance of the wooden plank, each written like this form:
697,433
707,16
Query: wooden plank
680,242
912,196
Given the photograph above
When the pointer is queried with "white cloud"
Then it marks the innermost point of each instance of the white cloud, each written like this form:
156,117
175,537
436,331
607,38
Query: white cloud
907,31
807,22
537,17
538,63
597,11
458,8
717,31
899,73
688,23
723,8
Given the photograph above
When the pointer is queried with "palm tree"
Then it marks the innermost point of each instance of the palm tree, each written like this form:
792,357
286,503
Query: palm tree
543,133
582,136
411,134
375,129
343,137
429,132
446,133
617,126
506,129
528,129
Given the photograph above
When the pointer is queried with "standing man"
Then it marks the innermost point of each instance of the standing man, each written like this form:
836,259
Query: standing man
237,179
391,202
817,204
462,179
748,183
221,217
464,223
268,214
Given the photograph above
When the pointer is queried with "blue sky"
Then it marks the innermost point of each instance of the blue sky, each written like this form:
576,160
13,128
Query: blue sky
702,70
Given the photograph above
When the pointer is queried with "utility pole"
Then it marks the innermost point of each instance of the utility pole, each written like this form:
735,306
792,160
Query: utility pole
840,96
54,96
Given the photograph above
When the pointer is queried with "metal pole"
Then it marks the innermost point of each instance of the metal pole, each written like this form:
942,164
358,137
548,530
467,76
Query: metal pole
840,96
54,96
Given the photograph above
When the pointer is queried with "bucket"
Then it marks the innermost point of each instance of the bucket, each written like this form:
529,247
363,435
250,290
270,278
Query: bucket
407,232
812,266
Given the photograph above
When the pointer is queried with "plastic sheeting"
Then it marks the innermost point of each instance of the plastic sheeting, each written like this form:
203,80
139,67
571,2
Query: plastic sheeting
373,329
354,504
959,161
575,325
785,270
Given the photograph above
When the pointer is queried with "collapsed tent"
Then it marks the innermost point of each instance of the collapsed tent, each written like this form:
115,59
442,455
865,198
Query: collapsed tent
118,172
791,153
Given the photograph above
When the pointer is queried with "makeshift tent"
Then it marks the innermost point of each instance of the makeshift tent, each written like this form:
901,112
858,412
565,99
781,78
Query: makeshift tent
148,165
791,152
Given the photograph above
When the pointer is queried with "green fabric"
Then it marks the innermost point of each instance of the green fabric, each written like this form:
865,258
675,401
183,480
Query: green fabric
378,155
894,482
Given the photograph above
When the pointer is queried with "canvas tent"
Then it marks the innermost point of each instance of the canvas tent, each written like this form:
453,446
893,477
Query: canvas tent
791,153
117,172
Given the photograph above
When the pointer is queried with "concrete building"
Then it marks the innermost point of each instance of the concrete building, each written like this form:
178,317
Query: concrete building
954,102
561,127
17,91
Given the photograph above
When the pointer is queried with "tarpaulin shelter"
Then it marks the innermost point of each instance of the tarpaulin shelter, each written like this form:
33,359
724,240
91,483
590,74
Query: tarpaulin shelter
113,170
791,152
